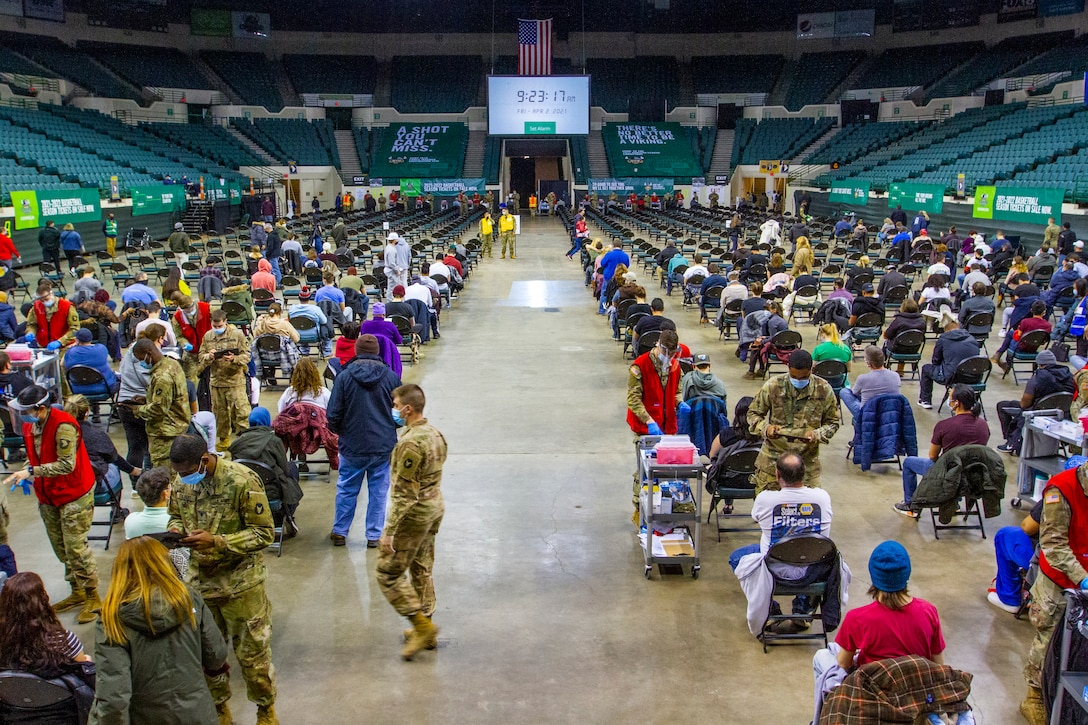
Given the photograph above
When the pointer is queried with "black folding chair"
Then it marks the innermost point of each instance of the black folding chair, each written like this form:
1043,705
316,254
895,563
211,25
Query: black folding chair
800,566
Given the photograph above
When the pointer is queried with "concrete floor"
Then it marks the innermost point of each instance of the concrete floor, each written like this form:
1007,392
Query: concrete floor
545,614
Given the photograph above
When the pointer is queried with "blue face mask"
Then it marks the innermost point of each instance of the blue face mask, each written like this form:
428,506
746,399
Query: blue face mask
397,417
194,478
28,419
144,364
799,384
219,330
49,303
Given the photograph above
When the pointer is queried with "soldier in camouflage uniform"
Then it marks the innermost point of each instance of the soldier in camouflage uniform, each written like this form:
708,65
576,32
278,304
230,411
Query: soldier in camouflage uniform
225,350
1063,564
222,509
407,544
60,469
166,410
793,413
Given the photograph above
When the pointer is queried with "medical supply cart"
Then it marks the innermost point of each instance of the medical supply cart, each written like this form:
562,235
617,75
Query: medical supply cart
1045,433
673,548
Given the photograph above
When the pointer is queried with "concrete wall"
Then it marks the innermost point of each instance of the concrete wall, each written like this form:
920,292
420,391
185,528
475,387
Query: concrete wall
26,240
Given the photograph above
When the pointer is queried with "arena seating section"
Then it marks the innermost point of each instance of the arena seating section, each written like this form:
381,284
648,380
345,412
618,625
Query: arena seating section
290,139
338,74
436,83
149,67
996,62
736,73
775,138
652,81
1069,56
250,75
816,75
71,63
921,66
212,142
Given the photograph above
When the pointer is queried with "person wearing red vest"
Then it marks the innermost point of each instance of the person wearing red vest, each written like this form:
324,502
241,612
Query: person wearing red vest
53,322
653,393
1063,564
191,322
60,469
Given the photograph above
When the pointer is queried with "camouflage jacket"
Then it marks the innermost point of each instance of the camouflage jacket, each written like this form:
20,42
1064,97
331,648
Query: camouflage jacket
232,506
167,409
226,374
813,408
416,468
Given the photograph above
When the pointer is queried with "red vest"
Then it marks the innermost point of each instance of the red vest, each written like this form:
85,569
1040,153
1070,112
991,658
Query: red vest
58,490
660,404
203,324
53,328
1067,484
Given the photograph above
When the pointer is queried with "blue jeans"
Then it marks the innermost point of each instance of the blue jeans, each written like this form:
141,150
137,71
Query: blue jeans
1014,550
743,551
851,401
376,469
276,269
913,467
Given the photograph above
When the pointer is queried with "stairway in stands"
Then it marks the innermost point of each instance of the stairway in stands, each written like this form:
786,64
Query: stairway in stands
824,138
249,144
598,157
283,84
349,156
474,155
721,164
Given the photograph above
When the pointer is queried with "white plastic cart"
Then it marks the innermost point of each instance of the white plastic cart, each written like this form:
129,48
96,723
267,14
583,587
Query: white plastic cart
1045,432
650,473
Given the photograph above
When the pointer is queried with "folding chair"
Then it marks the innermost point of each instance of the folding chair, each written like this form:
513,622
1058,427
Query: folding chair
108,495
979,326
279,511
783,341
84,376
970,488
807,292
646,342
866,331
1027,349
269,352
730,316
307,332
800,566
974,371
835,373
28,698
237,315
906,349
735,482
410,339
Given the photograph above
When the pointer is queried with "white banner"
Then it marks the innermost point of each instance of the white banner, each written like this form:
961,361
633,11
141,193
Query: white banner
816,25
855,23
250,25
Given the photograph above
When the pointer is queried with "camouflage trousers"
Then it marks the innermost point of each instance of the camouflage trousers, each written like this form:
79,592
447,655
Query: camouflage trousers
158,448
67,527
1047,611
485,243
246,623
231,408
507,238
414,558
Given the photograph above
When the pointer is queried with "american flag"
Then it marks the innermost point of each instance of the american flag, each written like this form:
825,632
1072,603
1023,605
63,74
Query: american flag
535,47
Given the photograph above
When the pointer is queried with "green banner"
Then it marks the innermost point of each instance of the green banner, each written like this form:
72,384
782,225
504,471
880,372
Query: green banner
413,150
984,202
625,187
849,191
210,22
35,208
922,197
653,149
1018,204
26,209
411,187
453,187
156,199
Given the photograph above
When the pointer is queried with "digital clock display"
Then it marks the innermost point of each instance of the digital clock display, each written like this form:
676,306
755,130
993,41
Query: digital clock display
537,105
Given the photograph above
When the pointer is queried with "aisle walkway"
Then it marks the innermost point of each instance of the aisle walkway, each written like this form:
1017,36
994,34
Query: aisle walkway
545,614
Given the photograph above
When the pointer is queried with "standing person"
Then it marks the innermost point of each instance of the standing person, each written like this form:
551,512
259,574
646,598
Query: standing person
8,252
191,322
268,209
362,396
415,514
178,244
153,623
222,510
398,262
135,379
63,479
49,241
109,231
72,244
487,234
226,352
165,411
506,231
273,249
793,413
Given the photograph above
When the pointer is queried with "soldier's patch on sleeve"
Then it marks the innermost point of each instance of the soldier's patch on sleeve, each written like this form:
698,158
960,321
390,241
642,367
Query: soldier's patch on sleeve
636,371
1052,496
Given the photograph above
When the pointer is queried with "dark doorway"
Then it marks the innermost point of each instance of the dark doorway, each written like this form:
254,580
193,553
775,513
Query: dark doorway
523,175
340,117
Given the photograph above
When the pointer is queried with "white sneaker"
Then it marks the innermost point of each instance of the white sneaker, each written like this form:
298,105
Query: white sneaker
925,405
993,599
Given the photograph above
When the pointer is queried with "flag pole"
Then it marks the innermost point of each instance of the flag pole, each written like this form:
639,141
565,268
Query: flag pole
492,37
583,37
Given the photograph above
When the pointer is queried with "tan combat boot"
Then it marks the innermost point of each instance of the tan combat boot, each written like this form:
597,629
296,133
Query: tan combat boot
73,600
266,715
1032,707
223,711
92,605
424,634
411,630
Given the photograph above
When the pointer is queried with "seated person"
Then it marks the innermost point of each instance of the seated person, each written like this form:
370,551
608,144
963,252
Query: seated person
380,326
865,303
1024,298
793,510
965,427
153,488
32,639
1050,377
761,347
420,290
263,277
155,317
1037,321
1015,548
322,335
11,384
700,381
260,443
273,323
908,318
878,381
731,439
106,462
93,355
977,303
953,347
399,308
239,292
714,279
895,624
9,325
345,344
831,346
306,386
652,322
330,292
1061,282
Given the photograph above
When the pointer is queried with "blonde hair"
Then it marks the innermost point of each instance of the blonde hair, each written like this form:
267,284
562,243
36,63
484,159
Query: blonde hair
77,406
141,571
864,261
802,258
892,600
830,331
802,243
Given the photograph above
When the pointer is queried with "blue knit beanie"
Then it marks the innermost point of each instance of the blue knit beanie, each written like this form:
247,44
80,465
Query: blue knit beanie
889,567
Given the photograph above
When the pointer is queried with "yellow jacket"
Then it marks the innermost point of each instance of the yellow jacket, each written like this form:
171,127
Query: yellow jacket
506,223
486,226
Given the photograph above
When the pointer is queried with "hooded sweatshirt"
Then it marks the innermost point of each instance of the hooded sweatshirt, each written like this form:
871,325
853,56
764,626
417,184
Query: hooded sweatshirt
952,348
157,675
360,407
263,278
698,383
